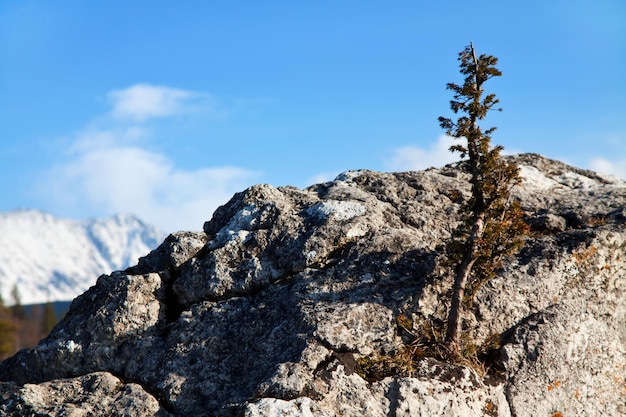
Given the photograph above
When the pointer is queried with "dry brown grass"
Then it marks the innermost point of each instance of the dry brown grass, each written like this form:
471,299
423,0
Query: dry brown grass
426,341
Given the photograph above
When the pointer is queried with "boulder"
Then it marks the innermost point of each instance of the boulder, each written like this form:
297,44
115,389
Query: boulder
272,308
95,394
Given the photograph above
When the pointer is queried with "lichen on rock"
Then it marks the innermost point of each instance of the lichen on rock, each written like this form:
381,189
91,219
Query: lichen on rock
269,310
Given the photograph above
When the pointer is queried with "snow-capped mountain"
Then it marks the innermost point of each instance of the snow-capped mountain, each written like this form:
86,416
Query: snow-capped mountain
54,259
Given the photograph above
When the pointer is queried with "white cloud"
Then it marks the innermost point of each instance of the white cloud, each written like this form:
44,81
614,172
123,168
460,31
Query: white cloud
604,166
109,167
148,184
141,102
414,158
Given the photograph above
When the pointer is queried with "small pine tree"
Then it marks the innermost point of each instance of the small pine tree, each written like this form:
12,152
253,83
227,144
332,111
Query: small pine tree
17,309
49,318
492,226
7,331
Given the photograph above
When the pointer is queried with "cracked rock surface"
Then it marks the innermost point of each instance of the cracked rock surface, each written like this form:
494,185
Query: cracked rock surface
267,312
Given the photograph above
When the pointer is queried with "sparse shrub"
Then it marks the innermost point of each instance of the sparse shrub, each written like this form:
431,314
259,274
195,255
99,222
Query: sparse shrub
492,225
426,340
491,229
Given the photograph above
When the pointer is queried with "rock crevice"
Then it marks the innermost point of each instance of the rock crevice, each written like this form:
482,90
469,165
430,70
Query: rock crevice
268,310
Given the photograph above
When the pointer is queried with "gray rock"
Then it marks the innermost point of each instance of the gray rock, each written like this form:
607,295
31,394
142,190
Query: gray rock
175,250
91,395
550,223
267,312
272,407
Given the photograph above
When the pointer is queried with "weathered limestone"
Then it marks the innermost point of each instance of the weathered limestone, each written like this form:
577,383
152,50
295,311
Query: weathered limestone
267,312
96,394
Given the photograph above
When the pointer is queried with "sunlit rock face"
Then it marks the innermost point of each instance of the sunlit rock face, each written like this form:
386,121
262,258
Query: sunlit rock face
267,312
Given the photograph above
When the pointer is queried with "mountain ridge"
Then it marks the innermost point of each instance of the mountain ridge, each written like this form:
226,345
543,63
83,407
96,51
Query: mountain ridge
55,259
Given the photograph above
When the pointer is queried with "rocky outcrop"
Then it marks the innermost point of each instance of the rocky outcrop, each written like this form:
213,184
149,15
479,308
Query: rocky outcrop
267,312
95,394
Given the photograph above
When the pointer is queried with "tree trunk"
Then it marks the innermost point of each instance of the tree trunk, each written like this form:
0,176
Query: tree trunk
460,282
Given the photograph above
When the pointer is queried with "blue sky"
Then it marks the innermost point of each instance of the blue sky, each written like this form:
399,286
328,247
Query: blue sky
165,109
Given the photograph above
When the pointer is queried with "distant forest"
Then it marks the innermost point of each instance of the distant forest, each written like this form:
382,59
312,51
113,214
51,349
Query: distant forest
23,326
